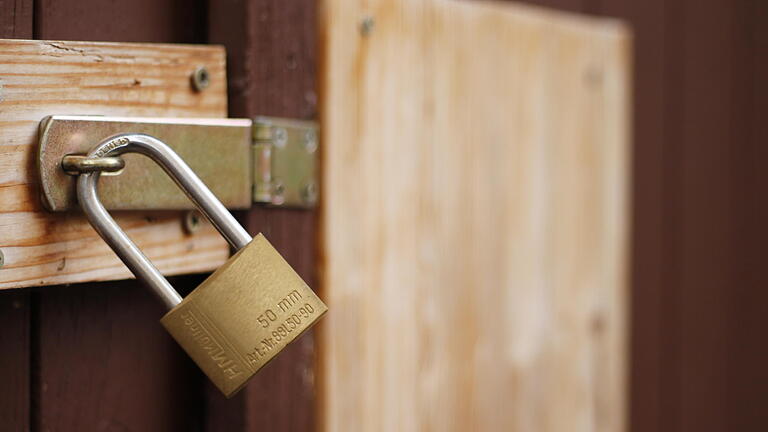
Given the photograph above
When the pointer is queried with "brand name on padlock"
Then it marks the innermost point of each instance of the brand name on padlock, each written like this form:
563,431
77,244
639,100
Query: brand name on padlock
111,146
213,349
239,318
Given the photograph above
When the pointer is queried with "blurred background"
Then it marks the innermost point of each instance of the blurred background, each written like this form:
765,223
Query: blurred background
698,297
696,290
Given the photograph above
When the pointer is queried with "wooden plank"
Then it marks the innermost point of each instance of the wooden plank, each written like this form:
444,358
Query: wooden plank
474,218
15,306
46,77
271,49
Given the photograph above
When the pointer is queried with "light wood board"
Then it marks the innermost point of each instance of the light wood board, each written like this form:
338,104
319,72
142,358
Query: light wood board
474,224
41,78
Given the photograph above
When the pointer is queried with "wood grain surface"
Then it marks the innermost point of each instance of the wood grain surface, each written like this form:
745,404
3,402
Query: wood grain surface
15,306
474,221
40,78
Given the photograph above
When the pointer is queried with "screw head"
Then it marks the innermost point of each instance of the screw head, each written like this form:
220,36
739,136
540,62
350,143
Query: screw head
310,141
367,25
280,137
278,192
201,79
309,193
593,77
192,221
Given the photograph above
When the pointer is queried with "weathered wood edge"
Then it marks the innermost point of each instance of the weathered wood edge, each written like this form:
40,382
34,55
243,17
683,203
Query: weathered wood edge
100,78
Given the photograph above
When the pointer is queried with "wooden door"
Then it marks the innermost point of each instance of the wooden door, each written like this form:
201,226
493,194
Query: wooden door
94,356
475,267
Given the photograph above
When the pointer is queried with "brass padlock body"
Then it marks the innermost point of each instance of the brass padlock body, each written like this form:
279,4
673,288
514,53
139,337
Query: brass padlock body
242,315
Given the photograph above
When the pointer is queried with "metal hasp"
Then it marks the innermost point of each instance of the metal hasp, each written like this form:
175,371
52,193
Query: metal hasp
285,168
269,160
216,149
179,172
243,314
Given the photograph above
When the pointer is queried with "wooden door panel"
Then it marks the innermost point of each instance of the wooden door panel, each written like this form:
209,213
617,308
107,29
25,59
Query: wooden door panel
103,361
474,221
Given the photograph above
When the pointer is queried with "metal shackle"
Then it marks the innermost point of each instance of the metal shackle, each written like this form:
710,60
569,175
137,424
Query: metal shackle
184,177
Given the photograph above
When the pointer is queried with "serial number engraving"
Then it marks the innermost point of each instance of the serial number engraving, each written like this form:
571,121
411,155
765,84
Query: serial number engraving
212,348
290,324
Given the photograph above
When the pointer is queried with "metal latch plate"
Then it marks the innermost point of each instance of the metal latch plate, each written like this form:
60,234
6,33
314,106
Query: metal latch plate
218,150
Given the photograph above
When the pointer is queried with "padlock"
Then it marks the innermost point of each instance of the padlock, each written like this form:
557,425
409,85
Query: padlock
242,315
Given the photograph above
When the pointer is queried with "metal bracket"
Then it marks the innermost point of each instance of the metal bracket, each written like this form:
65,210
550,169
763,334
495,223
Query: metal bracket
284,154
269,160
